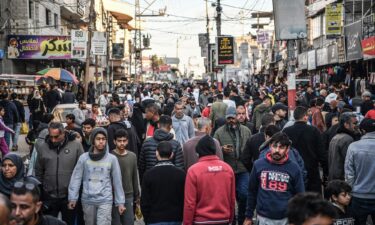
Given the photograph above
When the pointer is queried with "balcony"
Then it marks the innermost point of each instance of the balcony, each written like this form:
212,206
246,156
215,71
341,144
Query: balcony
73,10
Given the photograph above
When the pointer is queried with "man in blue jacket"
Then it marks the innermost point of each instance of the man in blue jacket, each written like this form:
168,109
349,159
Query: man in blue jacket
273,181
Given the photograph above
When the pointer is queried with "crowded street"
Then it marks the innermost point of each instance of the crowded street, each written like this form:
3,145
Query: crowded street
173,112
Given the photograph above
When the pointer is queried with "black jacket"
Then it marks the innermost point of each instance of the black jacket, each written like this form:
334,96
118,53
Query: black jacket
21,111
147,157
133,140
138,121
307,140
11,115
162,197
251,150
49,220
68,97
52,98
366,106
37,108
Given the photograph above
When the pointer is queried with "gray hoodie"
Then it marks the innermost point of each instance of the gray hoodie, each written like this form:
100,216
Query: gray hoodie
100,175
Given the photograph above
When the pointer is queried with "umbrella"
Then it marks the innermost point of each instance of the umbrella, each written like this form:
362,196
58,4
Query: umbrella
59,74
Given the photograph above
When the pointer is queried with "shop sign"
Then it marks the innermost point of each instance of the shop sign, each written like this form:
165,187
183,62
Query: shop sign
99,43
333,56
333,19
368,47
81,7
302,61
353,37
341,50
322,57
38,47
225,50
79,44
202,39
311,60
262,37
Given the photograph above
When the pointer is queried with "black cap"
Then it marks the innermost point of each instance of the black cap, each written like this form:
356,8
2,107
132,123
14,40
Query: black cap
206,146
367,125
278,106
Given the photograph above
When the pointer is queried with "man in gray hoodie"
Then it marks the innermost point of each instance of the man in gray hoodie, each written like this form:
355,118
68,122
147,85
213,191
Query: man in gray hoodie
99,171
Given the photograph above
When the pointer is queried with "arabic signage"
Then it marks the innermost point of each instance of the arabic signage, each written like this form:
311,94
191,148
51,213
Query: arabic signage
99,43
333,56
311,60
225,50
353,38
322,57
38,47
333,19
302,61
290,21
262,37
368,47
79,44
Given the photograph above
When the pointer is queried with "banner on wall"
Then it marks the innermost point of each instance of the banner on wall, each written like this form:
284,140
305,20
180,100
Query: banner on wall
79,44
311,60
333,20
368,48
38,47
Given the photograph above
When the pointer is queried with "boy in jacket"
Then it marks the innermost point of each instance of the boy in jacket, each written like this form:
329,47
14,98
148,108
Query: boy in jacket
273,181
100,174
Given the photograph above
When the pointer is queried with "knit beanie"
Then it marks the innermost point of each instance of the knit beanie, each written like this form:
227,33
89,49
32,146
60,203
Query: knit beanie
206,146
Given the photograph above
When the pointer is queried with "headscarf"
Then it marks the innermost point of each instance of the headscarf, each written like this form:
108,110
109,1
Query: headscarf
37,94
6,185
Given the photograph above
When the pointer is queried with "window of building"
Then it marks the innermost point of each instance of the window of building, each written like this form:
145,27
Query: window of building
48,17
31,9
55,20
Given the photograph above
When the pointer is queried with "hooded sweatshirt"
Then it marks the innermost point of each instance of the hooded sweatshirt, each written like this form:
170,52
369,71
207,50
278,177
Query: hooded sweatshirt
100,175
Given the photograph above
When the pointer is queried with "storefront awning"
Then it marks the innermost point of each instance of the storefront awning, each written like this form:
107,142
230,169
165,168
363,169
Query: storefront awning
123,20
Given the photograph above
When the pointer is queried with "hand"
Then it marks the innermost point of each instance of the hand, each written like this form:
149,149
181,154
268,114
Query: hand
121,209
72,204
248,221
227,149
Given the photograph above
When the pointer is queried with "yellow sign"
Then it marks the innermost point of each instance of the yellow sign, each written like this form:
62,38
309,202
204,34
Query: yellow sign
333,19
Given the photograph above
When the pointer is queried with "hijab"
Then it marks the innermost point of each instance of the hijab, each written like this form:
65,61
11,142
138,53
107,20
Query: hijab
37,94
6,185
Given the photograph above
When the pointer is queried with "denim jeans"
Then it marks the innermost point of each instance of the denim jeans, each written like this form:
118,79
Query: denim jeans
127,218
17,130
166,223
8,136
361,208
242,188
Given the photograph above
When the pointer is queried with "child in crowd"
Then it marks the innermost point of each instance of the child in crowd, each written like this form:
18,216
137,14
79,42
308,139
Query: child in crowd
338,192
3,128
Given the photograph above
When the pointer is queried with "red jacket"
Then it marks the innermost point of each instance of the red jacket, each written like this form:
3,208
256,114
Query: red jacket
209,192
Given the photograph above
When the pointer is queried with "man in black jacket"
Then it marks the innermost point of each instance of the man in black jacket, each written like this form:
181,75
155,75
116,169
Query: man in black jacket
116,123
53,98
163,188
21,119
147,157
307,140
251,150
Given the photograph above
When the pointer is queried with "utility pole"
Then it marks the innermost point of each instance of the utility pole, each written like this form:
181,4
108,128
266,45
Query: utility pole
218,18
91,27
208,69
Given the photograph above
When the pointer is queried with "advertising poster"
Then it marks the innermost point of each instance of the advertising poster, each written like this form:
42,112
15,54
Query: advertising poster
99,43
353,37
38,47
311,60
368,48
117,50
333,20
290,22
333,56
225,50
79,44
302,61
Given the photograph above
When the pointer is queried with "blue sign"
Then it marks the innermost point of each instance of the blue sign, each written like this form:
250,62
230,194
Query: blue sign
1,53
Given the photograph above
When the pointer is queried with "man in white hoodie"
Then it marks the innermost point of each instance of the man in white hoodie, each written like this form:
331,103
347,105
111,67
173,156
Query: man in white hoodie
100,173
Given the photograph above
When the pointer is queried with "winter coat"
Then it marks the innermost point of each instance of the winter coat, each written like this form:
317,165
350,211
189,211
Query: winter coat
54,167
37,108
68,97
147,157
21,111
251,150
218,110
11,115
53,98
337,153
258,113
224,136
307,141
133,140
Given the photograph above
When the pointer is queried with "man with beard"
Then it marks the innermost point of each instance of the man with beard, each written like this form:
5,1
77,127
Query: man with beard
242,118
273,181
5,209
280,111
346,134
80,113
27,206
152,117
232,137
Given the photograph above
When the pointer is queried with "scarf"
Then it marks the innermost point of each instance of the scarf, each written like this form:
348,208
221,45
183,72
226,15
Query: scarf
97,156
6,185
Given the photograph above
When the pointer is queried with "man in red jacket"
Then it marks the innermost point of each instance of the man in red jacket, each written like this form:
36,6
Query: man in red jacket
209,188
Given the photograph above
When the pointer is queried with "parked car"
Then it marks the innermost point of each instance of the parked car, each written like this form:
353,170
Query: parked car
61,110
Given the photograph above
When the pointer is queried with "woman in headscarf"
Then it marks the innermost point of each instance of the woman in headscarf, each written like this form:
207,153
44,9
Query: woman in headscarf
37,108
12,170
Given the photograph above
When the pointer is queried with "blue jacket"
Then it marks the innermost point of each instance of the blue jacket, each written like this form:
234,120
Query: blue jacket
293,156
11,115
271,186
360,167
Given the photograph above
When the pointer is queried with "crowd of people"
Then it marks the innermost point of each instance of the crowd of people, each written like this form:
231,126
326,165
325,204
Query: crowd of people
191,154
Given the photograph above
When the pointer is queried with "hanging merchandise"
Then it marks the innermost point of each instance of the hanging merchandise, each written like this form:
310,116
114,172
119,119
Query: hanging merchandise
372,79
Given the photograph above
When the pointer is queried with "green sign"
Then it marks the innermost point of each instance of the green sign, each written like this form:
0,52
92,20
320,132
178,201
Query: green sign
333,19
